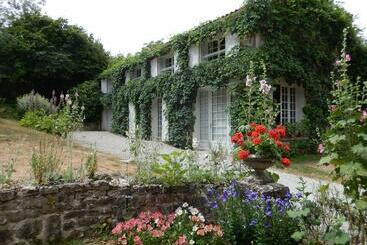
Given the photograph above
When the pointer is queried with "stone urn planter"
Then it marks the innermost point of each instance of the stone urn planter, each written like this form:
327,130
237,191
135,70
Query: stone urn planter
259,165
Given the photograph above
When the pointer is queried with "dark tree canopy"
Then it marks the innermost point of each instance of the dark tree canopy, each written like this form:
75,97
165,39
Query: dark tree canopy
41,53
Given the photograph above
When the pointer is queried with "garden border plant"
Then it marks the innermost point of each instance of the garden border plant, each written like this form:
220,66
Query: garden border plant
287,55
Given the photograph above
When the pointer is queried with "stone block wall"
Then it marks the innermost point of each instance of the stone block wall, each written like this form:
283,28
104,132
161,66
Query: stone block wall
43,215
46,214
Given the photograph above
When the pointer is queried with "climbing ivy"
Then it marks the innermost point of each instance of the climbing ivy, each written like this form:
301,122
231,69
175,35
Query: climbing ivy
300,39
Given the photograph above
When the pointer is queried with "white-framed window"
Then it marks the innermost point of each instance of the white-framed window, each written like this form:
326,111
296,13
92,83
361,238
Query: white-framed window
287,104
213,118
166,64
213,49
135,73
106,86
249,41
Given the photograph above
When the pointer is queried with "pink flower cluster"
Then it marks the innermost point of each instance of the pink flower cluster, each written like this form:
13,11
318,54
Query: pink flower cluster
155,223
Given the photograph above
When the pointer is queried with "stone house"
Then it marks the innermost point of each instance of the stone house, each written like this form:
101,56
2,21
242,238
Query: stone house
212,120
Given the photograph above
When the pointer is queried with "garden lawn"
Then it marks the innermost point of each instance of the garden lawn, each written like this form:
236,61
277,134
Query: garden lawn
19,142
307,165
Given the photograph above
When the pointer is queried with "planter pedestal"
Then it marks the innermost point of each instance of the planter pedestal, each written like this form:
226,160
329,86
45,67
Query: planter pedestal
260,181
259,175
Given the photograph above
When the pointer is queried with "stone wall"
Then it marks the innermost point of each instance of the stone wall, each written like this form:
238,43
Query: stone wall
43,215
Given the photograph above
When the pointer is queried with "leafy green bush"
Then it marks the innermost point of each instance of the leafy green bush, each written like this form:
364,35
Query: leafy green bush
302,146
89,95
34,102
170,172
62,122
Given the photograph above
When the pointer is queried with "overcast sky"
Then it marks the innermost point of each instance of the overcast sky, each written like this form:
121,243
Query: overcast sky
123,26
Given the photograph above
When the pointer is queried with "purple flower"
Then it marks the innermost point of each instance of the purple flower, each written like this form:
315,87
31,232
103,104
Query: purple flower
269,213
267,224
337,63
214,205
298,195
288,195
253,222
250,196
321,148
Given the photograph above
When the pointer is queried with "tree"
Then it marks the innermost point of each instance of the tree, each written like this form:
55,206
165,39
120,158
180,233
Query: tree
11,9
44,54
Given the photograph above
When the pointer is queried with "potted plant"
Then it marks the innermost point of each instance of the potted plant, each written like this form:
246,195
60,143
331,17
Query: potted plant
257,143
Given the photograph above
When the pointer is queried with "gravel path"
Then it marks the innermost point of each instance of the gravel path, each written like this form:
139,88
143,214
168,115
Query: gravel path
118,146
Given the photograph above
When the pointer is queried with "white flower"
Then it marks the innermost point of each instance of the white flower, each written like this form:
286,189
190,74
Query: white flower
178,211
69,102
195,228
248,81
83,108
265,87
201,217
193,211
156,221
192,242
185,205
66,96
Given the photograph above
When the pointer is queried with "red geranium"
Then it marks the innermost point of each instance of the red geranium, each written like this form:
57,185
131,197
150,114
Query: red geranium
253,125
254,134
237,137
243,154
274,134
286,162
279,143
286,148
281,130
256,141
260,129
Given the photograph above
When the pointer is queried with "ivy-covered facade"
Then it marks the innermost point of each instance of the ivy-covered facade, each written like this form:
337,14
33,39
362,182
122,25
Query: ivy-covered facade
188,91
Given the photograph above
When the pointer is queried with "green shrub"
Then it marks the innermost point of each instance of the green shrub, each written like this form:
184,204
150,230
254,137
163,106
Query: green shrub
302,146
6,170
33,102
89,95
66,120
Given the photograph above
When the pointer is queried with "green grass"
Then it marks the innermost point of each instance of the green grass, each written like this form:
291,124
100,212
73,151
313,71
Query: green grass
307,165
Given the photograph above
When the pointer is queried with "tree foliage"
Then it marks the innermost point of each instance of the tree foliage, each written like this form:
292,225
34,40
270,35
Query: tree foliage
41,53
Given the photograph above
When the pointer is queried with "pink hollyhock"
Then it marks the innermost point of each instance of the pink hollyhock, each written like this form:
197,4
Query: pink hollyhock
157,233
118,229
321,148
348,57
200,232
363,116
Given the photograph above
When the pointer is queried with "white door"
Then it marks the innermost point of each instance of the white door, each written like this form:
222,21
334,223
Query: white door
213,118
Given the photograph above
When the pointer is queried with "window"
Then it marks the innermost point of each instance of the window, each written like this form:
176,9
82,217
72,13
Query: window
166,64
248,41
214,49
136,73
287,101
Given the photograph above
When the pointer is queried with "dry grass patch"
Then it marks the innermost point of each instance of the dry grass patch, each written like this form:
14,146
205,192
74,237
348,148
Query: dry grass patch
19,143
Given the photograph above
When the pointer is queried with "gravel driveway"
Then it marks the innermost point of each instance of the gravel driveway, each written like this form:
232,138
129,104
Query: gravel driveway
118,146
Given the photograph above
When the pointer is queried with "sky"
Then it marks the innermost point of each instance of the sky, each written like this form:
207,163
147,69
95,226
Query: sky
124,26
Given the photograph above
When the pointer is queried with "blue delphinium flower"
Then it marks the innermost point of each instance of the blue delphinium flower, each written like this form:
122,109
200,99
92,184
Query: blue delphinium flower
281,204
214,205
267,224
288,195
253,222
250,196
298,195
